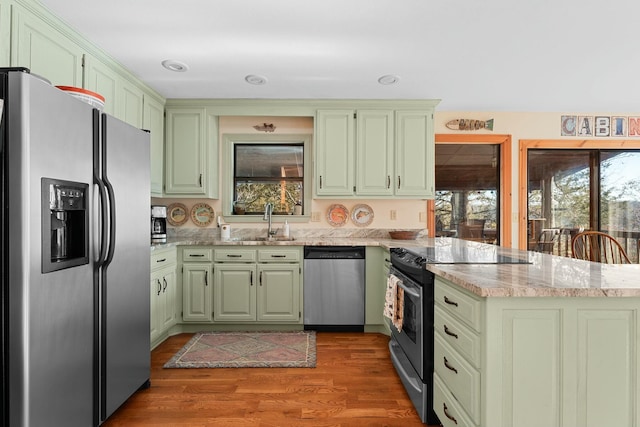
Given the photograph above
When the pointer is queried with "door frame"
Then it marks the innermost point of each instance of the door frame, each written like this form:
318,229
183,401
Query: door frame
576,144
505,190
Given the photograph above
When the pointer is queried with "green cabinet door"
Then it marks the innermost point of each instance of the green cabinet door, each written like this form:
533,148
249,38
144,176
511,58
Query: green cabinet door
278,292
186,152
130,102
101,79
374,147
414,155
153,121
44,50
167,312
197,292
235,292
334,154
156,291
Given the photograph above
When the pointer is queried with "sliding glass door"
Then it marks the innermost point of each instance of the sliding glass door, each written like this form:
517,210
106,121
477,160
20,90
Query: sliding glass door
569,190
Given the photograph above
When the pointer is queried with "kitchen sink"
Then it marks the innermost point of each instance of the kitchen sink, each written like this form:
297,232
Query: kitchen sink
264,239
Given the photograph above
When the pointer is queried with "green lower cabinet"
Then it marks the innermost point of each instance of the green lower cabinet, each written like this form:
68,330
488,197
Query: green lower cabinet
197,285
564,361
257,292
234,292
278,293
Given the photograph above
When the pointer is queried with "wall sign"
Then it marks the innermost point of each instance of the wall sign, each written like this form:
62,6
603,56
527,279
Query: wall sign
600,126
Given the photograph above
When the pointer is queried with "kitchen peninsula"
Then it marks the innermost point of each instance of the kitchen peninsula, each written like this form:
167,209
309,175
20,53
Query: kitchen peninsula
551,343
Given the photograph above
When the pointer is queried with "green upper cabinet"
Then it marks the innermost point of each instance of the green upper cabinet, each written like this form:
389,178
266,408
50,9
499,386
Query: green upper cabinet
130,103
5,35
44,50
334,154
153,121
102,79
375,153
191,153
415,154
374,145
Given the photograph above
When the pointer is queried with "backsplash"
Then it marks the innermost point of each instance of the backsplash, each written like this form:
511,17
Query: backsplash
296,233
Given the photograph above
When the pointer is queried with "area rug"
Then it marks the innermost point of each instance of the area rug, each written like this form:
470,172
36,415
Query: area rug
247,350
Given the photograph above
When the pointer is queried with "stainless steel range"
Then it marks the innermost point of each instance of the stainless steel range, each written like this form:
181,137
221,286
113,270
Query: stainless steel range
411,347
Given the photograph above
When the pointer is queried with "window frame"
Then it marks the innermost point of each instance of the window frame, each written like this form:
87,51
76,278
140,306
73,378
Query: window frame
228,143
505,195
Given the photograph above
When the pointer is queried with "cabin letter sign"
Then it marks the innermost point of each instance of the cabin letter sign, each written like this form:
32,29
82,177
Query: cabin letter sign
600,126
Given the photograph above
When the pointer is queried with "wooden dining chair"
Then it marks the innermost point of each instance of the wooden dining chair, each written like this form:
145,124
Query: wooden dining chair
599,247
547,241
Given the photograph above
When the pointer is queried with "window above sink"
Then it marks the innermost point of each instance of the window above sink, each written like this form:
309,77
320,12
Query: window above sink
261,169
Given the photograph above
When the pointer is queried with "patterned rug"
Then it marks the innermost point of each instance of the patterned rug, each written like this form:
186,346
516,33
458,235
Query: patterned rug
247,350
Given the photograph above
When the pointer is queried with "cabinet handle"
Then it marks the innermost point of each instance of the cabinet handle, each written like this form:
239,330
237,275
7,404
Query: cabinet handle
159,286
449,367
161,260
448,332
448,301
398,182
196,255
278,256
388,181
446,413
261,278
320,181
164,288
234,256
251,278
200,180
206,278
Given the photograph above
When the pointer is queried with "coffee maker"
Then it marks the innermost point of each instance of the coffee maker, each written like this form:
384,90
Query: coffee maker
158,223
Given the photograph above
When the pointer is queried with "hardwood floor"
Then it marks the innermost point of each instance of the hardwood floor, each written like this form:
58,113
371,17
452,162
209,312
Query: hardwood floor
353,384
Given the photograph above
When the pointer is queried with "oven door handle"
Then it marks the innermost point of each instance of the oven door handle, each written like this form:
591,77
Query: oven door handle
409,290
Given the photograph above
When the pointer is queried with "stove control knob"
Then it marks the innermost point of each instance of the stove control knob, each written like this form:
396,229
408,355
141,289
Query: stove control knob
419,260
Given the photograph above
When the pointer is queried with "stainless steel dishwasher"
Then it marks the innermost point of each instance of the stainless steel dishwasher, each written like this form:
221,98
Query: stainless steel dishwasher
334,288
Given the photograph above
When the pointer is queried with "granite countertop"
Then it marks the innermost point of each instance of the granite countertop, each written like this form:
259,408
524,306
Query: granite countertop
546,275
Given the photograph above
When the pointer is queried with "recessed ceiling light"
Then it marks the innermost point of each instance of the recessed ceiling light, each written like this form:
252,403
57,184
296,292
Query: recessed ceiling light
173,65
389,79
255,79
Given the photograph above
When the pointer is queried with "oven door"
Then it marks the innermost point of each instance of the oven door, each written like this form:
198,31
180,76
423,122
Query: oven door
411,336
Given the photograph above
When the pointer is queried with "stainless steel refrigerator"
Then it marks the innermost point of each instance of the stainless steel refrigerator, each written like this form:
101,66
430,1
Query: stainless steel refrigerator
75,257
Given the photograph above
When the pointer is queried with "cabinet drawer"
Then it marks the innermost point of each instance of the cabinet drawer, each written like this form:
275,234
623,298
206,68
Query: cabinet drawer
462,379
460,337
234,255
458,303
446,407
196,254
162,258
278,255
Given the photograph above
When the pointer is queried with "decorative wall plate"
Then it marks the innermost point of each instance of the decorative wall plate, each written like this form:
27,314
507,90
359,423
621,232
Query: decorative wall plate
362,215
337,215
202,214
177,214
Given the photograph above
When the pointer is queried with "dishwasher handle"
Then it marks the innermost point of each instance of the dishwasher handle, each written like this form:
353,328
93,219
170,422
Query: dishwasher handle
334,252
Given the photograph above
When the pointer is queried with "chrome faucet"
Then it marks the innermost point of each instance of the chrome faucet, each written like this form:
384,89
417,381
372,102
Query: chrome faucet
268,211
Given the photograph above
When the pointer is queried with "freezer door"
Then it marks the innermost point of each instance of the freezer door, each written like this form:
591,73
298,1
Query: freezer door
50,334
125,339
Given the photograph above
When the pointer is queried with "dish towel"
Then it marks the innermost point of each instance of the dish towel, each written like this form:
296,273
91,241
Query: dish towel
394,302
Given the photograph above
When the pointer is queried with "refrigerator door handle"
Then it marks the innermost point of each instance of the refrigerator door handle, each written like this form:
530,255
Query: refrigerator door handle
111,193
101,188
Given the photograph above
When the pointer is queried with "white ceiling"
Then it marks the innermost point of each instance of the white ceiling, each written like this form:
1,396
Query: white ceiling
491,55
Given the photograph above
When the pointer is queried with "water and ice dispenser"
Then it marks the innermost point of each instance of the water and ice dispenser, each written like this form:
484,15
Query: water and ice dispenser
65,224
